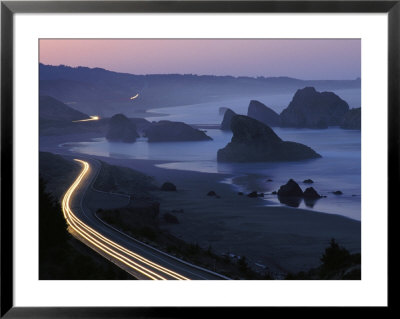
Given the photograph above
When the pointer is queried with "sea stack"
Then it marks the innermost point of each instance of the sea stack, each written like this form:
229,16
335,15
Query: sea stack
121,129
253,141
263,113
352,120
226,122
312,109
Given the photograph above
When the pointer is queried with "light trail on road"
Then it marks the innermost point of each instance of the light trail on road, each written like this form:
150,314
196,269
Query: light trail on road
132,260
134,97
92,118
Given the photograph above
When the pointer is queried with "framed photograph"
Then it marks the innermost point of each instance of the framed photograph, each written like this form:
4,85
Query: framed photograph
163,155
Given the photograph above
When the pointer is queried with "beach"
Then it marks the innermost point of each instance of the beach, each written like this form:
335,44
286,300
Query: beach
278,239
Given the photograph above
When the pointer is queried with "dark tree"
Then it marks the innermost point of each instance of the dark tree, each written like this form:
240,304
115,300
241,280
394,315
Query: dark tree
335,256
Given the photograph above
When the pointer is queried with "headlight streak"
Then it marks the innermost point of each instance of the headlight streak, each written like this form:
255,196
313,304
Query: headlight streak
92,118
101,242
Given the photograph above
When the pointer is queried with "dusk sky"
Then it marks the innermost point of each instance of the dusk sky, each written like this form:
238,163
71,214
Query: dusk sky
303,59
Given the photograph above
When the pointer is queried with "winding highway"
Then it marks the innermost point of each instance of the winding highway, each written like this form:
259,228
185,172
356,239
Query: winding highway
140,260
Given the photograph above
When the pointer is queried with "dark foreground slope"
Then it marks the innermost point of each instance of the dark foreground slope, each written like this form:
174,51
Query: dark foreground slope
61,256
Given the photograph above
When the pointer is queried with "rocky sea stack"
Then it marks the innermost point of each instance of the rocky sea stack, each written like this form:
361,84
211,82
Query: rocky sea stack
263,113
352,120
121,129
253,141
167,131
312,109
226,122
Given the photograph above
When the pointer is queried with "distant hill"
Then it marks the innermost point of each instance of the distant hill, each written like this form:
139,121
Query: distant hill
52,109
102,92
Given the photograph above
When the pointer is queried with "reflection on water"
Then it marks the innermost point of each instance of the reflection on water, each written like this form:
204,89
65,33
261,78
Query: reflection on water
292,201
310,202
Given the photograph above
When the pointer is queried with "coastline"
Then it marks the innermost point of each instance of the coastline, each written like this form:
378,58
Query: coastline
280,238
276,238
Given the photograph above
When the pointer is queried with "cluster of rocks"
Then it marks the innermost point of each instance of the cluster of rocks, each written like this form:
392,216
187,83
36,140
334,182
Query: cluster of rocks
255,194
291,194
308,109
292,189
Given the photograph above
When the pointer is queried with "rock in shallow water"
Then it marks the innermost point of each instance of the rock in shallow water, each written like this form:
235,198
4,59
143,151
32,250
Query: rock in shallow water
290,189
167,131
121,129
253,141
252,194
311,193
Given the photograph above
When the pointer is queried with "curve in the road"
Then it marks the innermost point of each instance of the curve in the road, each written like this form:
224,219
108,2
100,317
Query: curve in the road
134,261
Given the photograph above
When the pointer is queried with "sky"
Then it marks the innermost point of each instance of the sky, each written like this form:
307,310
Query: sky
308,59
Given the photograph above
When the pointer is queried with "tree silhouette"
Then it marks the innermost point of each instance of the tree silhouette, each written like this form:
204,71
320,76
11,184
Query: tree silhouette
335,257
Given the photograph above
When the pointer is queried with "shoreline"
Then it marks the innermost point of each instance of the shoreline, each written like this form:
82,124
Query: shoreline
282,239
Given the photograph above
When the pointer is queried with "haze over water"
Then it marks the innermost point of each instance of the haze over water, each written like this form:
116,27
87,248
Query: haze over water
207,113
338,169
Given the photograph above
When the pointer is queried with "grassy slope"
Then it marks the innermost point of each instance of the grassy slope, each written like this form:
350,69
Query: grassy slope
123,180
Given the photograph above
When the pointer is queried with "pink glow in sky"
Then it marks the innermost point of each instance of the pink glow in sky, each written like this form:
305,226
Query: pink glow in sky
299,58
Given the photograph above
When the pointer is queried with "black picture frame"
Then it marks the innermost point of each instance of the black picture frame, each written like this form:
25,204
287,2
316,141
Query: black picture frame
9,8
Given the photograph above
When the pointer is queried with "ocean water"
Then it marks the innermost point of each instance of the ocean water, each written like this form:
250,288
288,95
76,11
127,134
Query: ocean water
338,169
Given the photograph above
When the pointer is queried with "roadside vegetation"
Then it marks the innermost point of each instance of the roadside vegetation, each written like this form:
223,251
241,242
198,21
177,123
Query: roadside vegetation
123,180
336,263
61,256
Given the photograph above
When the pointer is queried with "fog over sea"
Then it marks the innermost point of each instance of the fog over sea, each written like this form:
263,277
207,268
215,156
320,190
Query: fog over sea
338,169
